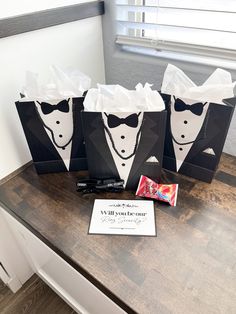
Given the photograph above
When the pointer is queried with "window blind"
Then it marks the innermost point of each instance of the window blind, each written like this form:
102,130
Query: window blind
206,27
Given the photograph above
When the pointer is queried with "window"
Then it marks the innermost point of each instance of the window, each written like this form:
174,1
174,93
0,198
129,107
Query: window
203,27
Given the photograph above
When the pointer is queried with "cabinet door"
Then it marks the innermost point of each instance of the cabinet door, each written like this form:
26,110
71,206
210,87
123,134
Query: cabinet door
75,289
14,268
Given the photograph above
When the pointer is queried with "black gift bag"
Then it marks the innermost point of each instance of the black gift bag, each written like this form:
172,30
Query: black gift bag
195,135
53,131
124,145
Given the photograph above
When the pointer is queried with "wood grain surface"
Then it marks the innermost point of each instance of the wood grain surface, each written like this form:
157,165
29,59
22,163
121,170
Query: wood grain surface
35,297
190,267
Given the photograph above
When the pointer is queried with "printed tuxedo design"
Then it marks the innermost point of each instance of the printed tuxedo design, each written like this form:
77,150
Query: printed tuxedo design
194,140
123,132
186,121
103,160
54,134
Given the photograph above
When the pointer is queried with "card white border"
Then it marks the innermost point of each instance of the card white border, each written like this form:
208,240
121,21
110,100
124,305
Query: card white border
122,234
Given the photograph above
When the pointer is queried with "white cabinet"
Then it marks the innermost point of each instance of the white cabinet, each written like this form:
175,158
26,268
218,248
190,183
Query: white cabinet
74,288
14,267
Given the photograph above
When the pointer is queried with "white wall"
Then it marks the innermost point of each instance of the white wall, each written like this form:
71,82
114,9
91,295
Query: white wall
77,44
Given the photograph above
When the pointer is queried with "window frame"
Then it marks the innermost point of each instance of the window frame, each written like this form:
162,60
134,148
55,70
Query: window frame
176,50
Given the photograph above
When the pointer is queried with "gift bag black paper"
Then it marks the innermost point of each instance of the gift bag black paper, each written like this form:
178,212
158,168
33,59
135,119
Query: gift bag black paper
124,145
44,134
197,155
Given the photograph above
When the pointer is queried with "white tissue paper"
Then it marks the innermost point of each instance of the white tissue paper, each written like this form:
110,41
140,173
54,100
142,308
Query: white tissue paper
115,98
62,84
218,86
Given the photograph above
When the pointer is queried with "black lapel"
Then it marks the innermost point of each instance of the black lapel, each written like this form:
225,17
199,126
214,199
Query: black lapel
40,145
78,147
98,138
208,132
169,148
169,160
148,140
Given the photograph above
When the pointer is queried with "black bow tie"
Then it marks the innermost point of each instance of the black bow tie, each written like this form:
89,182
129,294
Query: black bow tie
61,106
194,108
114,121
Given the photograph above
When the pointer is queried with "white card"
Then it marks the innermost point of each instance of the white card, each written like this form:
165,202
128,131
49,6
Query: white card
123,217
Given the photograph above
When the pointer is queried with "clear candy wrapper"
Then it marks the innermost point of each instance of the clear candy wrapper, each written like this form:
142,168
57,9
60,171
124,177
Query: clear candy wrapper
162,192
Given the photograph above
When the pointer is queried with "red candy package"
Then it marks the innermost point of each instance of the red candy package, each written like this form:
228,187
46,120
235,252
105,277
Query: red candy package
162,192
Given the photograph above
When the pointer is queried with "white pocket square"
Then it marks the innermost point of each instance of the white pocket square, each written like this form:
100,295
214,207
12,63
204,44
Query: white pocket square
209,151
152,159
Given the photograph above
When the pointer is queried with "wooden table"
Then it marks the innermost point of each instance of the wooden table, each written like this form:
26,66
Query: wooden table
190,267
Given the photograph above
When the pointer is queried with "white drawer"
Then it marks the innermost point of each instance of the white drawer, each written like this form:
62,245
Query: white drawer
74,288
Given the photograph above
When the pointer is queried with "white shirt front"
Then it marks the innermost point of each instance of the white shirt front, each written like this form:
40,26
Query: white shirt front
126,141
61,125
185,127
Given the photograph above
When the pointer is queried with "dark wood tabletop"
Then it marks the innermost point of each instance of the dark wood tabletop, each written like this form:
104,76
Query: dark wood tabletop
190,267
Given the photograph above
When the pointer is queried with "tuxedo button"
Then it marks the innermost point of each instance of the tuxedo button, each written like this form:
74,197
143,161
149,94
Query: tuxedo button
60,135
180,148
183,136
185,121
123,151
57,122
63,148
122,136
123,165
